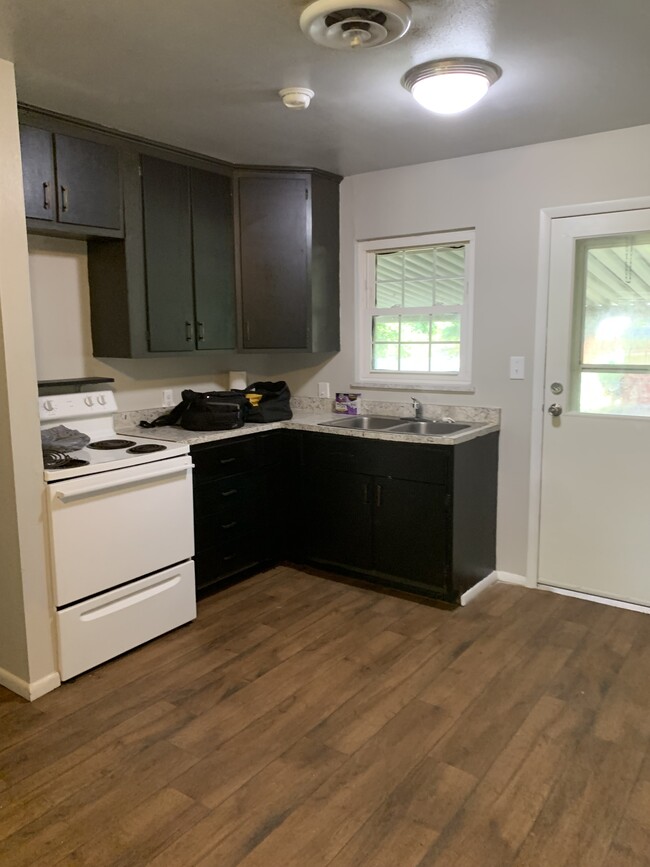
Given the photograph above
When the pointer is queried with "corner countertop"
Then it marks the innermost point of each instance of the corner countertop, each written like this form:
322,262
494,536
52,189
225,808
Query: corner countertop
307,420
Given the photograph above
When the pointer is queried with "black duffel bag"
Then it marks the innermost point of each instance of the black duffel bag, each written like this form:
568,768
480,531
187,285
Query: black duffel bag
207,410
274,403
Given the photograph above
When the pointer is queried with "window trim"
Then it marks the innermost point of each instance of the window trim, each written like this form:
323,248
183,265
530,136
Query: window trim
364,307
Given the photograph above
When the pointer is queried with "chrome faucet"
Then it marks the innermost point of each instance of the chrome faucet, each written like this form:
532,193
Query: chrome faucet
417,408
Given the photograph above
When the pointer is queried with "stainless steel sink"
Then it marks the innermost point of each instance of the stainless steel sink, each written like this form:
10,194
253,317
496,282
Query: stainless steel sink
362,422
428,428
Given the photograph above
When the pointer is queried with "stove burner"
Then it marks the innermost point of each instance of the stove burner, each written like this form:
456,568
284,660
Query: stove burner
145,448
56,460
105,445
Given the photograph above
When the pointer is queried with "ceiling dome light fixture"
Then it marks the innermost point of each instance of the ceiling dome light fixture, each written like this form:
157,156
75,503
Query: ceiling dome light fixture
451,85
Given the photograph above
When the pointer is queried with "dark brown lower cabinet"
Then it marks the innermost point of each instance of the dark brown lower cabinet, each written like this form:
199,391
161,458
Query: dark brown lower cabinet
420,518
417,517
244,504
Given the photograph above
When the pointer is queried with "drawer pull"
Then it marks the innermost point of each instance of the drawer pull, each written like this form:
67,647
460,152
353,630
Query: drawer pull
227,460
228,556
229,493
378,496
229,526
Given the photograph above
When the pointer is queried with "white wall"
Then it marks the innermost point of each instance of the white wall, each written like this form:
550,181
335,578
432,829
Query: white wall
26,638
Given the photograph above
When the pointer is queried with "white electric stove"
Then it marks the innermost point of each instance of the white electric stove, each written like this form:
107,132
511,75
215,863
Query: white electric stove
92,414
121,534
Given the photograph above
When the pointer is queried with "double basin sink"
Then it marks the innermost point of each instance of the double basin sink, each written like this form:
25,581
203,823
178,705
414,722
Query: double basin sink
419,427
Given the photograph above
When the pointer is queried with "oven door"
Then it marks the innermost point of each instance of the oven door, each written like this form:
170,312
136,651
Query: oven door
113,527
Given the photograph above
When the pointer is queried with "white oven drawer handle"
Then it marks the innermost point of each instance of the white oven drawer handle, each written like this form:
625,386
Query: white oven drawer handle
107,486
131,599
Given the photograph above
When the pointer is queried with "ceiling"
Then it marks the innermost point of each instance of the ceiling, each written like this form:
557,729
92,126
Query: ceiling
204,75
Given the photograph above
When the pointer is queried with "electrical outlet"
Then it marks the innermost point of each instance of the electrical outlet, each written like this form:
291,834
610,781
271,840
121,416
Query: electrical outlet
168,397
323,389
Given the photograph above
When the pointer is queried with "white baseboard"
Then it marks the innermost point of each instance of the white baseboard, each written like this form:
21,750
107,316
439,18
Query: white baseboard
602,600
31,690
511,578
474,591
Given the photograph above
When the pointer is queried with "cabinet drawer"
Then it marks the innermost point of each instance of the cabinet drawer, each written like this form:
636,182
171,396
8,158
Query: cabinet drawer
222,561
224,459
335,451
238,518
229,498
425,463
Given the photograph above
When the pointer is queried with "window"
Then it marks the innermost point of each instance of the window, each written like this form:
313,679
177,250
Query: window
611,345
414,305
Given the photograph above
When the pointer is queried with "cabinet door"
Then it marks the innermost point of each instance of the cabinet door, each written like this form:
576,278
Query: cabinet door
339,519
168,255
88,183
213,250
412,532
274,230
38,172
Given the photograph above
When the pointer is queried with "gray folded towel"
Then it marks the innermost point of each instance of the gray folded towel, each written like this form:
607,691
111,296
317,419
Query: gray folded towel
63,438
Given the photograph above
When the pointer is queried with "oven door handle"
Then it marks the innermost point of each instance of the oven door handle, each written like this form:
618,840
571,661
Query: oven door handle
121,483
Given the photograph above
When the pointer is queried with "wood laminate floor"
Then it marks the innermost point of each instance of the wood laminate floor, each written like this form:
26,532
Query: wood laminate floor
301,722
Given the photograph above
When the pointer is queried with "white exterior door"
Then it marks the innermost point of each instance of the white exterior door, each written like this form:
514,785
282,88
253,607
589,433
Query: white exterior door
595,503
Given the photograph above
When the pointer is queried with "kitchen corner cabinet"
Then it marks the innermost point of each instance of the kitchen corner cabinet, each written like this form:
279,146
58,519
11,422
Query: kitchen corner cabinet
169,286
287,231
419,518
72,185
243,503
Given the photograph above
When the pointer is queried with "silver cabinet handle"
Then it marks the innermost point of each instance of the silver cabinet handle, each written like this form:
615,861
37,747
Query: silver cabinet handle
189,330
378,496
200,330
46,195
64,198
555,410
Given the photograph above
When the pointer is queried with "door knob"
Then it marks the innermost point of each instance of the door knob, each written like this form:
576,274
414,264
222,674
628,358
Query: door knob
555,409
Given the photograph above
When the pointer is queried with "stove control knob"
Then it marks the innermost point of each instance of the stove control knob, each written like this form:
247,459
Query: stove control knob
48,406
101,400
88,401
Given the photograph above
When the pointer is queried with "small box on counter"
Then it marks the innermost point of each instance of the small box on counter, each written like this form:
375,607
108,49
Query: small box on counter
346,403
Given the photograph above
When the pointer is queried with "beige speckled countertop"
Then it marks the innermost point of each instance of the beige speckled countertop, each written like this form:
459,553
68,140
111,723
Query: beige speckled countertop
309,414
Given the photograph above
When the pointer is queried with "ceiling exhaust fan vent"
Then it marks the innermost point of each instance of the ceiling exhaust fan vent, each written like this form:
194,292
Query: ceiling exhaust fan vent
335,24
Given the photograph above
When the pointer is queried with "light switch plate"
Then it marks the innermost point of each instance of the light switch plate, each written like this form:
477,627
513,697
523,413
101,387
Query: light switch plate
323,389
516,367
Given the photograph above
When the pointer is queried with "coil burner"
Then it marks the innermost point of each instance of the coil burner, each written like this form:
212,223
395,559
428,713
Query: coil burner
146,448
56,460
107,445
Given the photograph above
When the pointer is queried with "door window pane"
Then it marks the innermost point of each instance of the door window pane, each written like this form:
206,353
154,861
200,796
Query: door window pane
612,356
615,393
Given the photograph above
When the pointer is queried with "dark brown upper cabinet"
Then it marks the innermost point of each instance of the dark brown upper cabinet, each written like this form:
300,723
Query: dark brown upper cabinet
188,250
287,229
72,185
169,286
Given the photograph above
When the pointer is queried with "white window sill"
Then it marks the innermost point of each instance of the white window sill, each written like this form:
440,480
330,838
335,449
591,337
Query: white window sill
455,387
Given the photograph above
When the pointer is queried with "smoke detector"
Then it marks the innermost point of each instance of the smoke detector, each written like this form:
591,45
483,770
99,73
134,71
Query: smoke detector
296,97
336,24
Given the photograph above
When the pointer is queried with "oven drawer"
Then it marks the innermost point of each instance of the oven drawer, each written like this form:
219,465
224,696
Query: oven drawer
99,629
113,527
